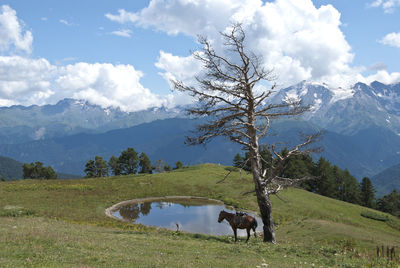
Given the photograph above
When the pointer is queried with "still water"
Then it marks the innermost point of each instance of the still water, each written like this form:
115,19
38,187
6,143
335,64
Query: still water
194,216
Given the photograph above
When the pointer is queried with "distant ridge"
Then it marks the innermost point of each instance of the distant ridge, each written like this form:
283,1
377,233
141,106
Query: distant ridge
387,180
365,153
20,124
11,169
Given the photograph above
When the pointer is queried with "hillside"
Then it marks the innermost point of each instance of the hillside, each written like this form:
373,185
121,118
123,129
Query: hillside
387,180
10,169
62,223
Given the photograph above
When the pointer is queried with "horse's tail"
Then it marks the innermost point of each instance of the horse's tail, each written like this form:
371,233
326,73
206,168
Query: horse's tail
255,225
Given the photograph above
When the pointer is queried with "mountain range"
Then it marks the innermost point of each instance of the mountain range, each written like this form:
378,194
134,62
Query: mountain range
20,124
361,126
347,111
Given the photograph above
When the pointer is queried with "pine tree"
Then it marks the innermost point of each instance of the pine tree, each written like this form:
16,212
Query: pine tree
90,169
390,203
178,165
327,184
348,187
167,167
238,161
101,167
144,164
128,161
298,166
114,165
367,193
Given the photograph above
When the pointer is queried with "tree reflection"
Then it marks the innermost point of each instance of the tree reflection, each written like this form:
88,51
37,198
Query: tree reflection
145,208
133,211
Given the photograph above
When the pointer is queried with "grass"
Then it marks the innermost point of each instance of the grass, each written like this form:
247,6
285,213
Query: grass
375,216
62,224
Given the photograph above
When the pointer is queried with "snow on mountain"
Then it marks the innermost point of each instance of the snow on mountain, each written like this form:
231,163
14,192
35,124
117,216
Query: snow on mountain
348,110
341,110
69,116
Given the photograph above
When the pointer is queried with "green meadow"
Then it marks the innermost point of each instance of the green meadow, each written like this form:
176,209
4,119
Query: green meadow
61,223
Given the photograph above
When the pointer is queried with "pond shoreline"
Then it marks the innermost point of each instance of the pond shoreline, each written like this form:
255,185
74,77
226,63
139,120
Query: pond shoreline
109,211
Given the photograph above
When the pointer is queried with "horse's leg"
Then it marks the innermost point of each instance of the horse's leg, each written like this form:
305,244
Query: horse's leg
254,230
248,234
235,233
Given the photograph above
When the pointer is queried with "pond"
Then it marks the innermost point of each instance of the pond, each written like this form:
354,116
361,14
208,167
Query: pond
191,215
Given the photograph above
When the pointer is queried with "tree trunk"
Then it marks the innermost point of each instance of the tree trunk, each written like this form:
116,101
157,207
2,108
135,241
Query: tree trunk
264,203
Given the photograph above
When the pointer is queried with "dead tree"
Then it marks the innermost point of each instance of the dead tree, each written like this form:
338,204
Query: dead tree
226,95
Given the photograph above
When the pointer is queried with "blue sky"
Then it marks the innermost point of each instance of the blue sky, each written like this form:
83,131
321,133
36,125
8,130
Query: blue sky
122,53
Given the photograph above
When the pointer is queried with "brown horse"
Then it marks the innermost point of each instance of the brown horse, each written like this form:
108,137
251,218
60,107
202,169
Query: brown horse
238,221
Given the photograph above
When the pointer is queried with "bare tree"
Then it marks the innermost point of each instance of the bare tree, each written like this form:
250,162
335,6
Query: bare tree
226,94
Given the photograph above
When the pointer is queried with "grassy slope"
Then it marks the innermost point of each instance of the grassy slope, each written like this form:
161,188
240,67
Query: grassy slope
68,227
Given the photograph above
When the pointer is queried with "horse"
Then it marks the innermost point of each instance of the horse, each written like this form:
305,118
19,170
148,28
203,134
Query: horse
238,221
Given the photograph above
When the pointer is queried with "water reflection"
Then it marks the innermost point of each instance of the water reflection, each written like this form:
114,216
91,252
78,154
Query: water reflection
193,216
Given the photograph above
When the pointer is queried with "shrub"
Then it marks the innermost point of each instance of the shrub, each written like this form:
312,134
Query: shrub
375,216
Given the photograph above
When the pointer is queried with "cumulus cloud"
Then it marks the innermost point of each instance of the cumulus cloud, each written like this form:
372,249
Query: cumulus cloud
28,81
383,76
12,34
36,81
178,68
296,39
388,6
391,39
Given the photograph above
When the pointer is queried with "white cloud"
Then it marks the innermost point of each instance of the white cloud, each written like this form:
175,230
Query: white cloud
122,33
28,81
392,39
178,68
388,6
122,17
25,80
185,16
12,35
67,23
384,77
296,39
376,3
36,81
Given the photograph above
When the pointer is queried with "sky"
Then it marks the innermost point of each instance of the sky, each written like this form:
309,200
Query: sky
123,53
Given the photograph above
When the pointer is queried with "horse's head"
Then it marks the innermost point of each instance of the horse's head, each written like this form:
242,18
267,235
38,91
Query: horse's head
221,216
